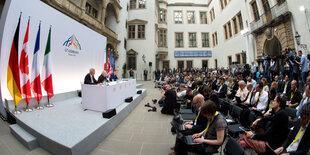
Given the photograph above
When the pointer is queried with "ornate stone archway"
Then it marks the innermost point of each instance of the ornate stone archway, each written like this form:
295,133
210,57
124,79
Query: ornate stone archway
116,7
283,33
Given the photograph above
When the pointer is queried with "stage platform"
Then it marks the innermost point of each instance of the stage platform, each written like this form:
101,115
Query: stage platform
67,128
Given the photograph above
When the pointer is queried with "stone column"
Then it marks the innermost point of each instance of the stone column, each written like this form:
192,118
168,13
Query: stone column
103,12
83,3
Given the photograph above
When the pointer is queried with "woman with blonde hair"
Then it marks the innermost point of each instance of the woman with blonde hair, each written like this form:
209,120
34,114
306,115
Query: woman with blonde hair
265,85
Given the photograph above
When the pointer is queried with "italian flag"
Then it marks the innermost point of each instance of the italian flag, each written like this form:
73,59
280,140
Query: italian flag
47,82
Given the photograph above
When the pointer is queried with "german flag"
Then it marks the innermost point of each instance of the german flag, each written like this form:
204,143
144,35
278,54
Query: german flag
13,81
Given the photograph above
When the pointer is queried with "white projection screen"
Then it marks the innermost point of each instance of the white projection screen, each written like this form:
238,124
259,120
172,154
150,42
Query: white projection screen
69,64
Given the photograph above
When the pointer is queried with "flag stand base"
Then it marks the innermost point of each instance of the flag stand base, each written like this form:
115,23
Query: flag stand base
49,105
16,112
40,107
28,109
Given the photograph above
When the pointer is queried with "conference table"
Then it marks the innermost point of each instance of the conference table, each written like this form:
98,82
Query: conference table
102,98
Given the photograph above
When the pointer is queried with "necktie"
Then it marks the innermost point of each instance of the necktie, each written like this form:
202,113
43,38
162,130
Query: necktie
284,91
91,79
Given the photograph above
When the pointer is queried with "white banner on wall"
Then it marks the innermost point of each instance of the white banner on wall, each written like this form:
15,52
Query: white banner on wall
74,47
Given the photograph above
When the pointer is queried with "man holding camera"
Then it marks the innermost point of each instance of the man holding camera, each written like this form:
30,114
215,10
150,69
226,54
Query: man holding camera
304,67
170,97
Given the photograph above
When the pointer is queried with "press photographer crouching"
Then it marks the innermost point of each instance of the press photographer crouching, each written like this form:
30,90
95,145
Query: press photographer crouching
170,100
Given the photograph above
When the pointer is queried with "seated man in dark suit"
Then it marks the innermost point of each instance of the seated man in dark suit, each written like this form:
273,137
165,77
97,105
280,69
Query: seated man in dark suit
199,123
297,142
89,78
286,87
294,96
113,76
103,77
222,90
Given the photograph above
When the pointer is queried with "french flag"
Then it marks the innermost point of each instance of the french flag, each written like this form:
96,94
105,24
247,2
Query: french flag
35,71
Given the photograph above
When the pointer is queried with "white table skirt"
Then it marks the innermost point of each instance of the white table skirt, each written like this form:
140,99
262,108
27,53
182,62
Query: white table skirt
102,98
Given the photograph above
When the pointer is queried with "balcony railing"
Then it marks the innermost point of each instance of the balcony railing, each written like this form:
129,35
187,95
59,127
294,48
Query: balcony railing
110,32
276,11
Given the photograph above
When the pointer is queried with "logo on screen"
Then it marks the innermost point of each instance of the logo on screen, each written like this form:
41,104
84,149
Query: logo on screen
72,41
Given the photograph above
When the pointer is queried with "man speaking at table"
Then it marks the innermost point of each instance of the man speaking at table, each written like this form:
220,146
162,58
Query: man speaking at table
89,78
113,76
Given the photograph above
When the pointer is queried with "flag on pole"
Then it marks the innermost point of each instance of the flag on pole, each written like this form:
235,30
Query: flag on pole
35,70
47,82
24,69
13,79
113,62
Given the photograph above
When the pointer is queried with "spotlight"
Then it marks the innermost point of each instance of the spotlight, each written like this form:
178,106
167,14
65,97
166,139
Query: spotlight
302,8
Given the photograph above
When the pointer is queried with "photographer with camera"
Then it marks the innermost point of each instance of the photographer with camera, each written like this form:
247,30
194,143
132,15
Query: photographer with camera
170,101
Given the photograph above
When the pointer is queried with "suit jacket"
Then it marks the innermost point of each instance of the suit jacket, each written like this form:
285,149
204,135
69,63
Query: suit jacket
131,73
281,85
87,79
304,144
296,97
223,91
113,77
213,85
200,124
145,72
288,88
101,79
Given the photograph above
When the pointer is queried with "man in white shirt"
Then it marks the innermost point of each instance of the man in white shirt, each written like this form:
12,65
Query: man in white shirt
249,79
182,91
251,94
261,98
242,92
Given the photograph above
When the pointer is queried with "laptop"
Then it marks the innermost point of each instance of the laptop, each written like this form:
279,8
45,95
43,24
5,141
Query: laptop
177,126
189,140
269,150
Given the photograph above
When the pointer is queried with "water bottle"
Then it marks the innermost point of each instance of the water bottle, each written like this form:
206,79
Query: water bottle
105,82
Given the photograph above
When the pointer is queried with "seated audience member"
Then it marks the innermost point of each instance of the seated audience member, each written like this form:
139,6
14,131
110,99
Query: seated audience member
286,86
207,93
242,92
250,96
305,100
113,76
89,78
295,96
279,84
249,79
233,90
260,100
170,102
103,77
274,135
271,96
222,90
182,91
200,87
209,139
229,82
189,98
265,84
199,123
274,85
298,140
